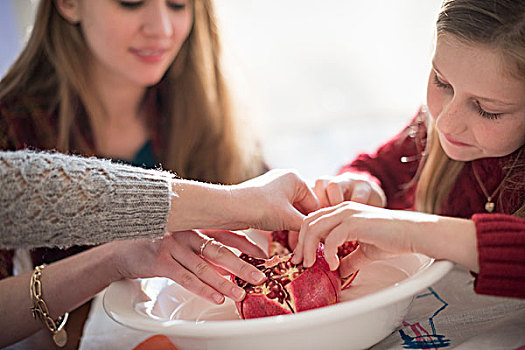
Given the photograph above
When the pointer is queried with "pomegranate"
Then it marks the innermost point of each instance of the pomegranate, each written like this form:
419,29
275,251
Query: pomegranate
280,245
289,288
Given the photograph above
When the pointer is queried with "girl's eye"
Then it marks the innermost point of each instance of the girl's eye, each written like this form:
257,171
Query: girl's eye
486,114
441,84
130,4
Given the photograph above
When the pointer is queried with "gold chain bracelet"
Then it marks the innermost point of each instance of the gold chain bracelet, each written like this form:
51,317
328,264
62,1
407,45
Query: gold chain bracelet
41,311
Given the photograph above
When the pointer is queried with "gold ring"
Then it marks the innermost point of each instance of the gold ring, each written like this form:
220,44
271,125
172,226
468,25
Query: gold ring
204,244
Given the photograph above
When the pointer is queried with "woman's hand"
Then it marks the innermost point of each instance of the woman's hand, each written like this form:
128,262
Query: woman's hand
384,233
191,259
277,200
332,190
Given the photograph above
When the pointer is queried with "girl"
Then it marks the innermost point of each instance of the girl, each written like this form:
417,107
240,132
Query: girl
462,160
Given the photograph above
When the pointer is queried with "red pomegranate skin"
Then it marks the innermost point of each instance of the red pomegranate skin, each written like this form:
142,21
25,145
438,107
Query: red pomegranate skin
289,288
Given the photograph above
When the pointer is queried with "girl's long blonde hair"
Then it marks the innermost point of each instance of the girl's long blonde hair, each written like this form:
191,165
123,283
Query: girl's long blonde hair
496,24
203,139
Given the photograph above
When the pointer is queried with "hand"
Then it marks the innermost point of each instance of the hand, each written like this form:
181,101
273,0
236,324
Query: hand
332,190
178,256
277,200
381,234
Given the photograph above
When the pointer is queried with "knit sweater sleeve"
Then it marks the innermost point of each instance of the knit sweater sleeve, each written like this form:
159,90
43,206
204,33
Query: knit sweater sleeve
51,199
501,249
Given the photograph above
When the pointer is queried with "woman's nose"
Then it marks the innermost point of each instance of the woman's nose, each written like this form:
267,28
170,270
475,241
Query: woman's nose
157,20
452,119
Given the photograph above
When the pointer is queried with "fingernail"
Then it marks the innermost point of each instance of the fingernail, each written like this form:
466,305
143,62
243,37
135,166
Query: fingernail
258,277
238,293
219,299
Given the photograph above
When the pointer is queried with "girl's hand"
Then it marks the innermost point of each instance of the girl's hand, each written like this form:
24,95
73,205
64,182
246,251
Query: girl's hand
379,232
332,190
383,233
190,258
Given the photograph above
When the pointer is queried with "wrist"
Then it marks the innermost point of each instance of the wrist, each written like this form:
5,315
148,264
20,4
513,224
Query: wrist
422,232
196,205
108,262
244,207
448,238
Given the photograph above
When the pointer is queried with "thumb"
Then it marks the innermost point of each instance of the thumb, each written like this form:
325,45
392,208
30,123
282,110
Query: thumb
306,201
293,220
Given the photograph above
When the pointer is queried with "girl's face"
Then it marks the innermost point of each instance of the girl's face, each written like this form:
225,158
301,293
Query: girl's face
134,41
479,109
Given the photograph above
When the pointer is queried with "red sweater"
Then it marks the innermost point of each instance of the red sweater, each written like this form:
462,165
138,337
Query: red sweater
501,237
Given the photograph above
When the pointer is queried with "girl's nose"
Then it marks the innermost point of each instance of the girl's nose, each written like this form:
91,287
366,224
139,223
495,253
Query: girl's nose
452,119
157,20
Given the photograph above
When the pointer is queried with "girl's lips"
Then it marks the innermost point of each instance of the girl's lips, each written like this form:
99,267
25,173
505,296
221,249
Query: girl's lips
456,142
149,55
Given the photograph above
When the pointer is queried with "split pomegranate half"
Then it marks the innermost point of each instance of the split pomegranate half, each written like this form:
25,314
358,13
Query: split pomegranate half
291,288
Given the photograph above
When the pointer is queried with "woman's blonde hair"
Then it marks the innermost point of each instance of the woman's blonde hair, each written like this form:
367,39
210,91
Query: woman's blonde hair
203,139
495,24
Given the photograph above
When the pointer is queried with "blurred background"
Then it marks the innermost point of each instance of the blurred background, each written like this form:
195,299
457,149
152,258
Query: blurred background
319,81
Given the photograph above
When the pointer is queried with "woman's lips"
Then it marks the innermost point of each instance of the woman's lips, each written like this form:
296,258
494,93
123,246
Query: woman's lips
149,55
455,142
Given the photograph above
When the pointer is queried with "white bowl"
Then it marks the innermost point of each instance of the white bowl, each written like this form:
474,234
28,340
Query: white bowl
372,308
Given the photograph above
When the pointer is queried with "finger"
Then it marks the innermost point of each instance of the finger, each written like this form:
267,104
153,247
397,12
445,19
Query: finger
377,196
236,240
311,243
293,237
361,192
292,219
191,282
298,256
299,253
222,256
305,200
335,238
316,232
353,262
320,192
207,274
335,192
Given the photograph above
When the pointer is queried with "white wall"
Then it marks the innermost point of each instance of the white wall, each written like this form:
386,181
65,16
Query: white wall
321,80
330,78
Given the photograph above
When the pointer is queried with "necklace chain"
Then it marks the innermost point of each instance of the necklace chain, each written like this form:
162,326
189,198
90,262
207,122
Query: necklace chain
490,205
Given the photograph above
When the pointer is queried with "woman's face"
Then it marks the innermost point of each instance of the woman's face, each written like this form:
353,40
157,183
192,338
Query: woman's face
479,109
133,41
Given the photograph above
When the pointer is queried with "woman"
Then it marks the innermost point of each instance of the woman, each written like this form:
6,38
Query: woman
137,81
99,201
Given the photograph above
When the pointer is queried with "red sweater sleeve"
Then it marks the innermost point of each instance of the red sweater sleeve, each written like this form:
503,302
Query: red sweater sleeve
501,249
395,163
